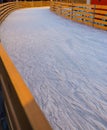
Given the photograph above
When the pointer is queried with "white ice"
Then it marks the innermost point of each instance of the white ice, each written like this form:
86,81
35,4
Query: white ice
64,65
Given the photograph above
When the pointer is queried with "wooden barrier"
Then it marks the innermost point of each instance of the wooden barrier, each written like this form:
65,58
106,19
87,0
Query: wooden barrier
92,15
72,1
22,110
7,8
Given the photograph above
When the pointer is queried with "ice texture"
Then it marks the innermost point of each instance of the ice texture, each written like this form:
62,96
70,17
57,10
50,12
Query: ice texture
64,65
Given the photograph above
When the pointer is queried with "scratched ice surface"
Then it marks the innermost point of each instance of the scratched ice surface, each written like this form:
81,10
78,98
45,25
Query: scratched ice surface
64,65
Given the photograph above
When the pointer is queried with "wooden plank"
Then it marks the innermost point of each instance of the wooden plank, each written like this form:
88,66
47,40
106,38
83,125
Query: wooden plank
8,5
67,17
77,20
88,15
100,21
78,5
5,14
78,13
66,12
5,4
89,10
100,27
66,4
100,12
89,19
90,6
76,8
6,9
81,17
88,23
101,7
64,7
100,16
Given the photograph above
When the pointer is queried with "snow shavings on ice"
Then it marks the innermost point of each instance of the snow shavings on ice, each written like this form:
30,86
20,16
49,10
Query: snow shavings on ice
64,65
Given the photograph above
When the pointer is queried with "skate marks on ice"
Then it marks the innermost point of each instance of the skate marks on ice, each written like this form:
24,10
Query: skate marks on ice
63,63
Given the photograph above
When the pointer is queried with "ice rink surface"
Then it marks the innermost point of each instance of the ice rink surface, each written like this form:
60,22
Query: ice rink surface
64,65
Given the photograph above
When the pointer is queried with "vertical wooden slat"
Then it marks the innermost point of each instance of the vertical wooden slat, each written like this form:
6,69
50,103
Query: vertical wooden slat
94,15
